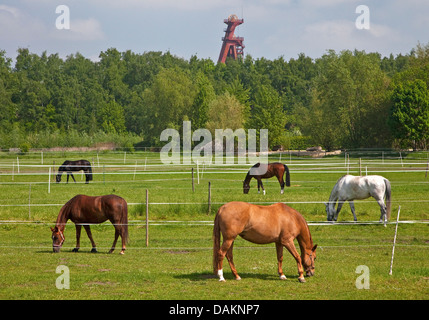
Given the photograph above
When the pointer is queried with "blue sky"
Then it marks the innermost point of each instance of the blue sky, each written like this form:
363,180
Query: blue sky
272,28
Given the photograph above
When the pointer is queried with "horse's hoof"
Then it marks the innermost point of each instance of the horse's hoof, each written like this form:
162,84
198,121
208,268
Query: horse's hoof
238,278
283,277
94,250
75,250
122,252
302,280
222,280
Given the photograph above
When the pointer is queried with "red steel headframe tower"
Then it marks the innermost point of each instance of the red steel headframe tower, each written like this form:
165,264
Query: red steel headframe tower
232,46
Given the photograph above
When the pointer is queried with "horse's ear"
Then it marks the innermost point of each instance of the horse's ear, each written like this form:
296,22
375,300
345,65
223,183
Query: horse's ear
314,248
52,229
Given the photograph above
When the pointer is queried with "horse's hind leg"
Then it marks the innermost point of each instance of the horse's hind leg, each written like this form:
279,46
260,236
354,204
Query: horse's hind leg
230,259
279,248
115,240
221,255
383,210
282,184
73,177
88,232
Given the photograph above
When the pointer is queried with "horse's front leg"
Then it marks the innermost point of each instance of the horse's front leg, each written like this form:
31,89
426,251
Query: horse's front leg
78,230
290,246
352,207
340,205
88,232
262,186
73,177
279,248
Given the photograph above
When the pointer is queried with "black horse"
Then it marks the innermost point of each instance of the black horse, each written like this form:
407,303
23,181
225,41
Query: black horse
74,166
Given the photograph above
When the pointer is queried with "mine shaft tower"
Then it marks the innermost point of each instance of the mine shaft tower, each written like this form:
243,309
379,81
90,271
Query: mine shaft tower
232,46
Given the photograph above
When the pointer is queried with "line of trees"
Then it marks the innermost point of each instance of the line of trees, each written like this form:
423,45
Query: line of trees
350,99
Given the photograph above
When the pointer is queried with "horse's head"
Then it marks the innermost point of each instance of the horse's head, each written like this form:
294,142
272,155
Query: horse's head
58,178
330,210
308,261
246,187
57,239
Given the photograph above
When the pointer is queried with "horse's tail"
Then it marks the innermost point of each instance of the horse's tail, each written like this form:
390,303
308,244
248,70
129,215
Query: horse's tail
124,221
388,195
216,241
287,176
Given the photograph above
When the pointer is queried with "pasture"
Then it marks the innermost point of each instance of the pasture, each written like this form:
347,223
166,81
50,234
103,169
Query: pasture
177,263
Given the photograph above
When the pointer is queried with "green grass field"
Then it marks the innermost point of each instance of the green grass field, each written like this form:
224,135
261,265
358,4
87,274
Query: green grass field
177,264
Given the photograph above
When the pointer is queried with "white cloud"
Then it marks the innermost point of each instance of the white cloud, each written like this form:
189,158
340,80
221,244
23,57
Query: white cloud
80,30
17,25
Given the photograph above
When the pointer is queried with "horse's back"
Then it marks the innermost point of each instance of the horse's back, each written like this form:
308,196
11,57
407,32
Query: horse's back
360,187
259,224
97,209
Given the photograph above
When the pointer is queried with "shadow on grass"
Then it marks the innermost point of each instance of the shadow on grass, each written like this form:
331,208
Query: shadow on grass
203,276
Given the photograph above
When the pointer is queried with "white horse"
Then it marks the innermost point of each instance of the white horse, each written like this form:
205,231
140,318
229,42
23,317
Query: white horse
349,188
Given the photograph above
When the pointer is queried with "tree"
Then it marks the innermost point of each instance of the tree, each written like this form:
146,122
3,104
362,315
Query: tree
205,94
168,102
350,101
267,113
409,117
225,112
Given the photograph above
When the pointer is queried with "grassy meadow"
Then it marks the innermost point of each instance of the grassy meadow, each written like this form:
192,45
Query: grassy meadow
177,264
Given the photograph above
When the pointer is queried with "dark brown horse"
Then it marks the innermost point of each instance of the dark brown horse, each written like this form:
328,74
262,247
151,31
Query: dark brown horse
84,210
264,171
74,166
276,223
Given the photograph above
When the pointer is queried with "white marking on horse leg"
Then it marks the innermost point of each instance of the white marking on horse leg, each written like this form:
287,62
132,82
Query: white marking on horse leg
283,277
220,275
263,191
282,191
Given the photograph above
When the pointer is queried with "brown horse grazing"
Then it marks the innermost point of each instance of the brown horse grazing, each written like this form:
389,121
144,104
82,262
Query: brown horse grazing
277,223
85,210
264,171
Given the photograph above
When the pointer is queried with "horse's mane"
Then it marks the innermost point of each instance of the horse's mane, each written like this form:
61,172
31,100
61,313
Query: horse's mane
65,211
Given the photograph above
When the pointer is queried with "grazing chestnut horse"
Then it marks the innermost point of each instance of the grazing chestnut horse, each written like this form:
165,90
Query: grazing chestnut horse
277,223
85,210
264,171
75,166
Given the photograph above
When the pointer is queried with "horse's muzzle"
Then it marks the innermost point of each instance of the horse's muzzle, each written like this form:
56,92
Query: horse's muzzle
56,249
310,273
